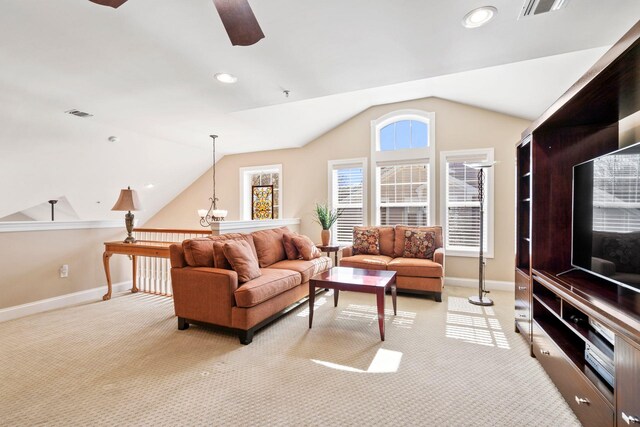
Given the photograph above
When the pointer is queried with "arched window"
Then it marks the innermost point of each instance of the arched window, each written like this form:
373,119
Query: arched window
402,151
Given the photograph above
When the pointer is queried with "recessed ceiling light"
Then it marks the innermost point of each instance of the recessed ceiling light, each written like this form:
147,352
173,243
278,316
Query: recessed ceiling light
149,186
226,78
478,17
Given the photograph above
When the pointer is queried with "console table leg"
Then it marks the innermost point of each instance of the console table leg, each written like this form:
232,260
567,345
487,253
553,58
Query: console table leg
134,260
336,294
380,300
105,262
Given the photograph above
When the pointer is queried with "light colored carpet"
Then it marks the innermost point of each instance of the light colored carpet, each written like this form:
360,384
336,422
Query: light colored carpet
123,362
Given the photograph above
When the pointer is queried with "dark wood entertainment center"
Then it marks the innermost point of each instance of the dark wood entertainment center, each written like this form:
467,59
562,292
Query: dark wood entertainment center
553,306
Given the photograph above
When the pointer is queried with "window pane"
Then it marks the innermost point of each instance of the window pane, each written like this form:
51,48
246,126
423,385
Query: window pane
387,135
403,134
416,216
463,182
419,134
404,197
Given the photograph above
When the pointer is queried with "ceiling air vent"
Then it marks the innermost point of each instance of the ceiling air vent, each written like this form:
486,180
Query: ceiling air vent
536,7
78,113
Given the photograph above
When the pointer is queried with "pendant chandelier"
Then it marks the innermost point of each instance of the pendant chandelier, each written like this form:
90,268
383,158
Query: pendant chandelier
213,214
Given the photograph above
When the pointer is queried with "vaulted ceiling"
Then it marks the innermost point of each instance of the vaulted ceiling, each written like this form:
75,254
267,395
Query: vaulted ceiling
145,72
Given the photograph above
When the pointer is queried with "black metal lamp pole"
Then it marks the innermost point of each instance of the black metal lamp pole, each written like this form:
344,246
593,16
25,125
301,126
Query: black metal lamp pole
481,299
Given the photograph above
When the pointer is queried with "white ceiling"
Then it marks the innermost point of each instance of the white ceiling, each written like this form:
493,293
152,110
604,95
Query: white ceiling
145,72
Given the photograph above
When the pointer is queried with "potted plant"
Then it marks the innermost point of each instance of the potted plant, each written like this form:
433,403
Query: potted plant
326,218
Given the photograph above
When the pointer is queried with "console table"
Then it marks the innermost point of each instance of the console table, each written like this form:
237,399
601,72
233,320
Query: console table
139,248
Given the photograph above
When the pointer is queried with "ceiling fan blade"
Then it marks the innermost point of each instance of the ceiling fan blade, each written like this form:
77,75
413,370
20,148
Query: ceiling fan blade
239,21
113,3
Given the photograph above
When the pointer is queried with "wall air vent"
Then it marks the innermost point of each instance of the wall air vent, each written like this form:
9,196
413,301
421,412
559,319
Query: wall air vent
536,7
78,113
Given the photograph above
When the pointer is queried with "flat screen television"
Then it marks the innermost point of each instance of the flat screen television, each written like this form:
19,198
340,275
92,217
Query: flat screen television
606,217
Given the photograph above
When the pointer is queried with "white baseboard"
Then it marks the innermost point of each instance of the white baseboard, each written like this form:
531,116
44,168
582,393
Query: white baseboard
490,285
61,301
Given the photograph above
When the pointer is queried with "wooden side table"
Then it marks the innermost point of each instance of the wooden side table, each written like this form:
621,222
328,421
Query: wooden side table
139,248
331,249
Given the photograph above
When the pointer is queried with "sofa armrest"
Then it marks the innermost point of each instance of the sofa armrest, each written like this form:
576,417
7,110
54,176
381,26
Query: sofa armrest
204,294
347,251
438,256
176,255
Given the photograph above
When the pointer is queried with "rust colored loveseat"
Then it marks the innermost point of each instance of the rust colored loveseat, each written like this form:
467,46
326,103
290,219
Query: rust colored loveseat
414,275
207,290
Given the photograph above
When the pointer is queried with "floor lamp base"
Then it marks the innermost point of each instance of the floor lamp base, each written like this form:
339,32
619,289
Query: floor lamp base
475,300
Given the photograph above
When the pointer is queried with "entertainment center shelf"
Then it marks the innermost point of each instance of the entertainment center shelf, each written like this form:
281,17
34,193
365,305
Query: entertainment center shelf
583,329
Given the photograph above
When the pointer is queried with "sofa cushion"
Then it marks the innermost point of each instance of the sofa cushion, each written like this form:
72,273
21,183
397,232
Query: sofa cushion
269,246
289,248
306,247
241,257
366,240
198,252
419,244
307,269
272,282
415,267
219,260
400,233
370,262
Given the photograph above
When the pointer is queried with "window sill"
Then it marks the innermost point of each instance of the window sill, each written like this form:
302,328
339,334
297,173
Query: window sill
466,254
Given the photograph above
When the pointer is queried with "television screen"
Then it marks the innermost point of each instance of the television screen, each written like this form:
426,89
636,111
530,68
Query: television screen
606,217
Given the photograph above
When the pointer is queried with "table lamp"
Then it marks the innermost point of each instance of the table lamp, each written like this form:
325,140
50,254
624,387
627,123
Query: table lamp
128,201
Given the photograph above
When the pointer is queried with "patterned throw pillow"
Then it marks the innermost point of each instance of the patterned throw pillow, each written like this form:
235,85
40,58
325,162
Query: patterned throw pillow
419,244
366,241
306,247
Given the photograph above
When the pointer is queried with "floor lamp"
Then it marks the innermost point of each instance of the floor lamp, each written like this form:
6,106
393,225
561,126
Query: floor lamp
481,299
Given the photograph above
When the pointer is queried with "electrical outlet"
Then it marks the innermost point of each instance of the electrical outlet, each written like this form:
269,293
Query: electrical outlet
64,271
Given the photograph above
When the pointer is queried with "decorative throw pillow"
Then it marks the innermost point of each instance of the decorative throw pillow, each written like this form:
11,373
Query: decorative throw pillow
419,244
366,241
306,247
219,260
242,259
289,246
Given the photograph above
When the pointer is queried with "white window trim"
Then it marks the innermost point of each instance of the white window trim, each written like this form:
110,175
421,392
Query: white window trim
245,188
407,156
489,185
360,161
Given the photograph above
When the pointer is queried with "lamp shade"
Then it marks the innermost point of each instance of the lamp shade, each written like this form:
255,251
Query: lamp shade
128,201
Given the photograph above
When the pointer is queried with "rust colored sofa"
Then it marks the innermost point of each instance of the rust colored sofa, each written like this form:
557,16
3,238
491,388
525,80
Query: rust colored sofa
203,293
414,275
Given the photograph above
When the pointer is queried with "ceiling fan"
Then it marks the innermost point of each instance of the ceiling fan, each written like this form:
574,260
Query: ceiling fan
236,15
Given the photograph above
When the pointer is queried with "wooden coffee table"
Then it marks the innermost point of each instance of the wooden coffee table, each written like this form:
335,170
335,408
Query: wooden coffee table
356,280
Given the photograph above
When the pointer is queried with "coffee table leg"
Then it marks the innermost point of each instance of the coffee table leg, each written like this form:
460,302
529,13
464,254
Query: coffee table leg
336,294
380,298
312,298
393,298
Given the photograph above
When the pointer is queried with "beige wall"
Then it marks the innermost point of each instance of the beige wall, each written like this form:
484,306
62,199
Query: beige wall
30,261
458,127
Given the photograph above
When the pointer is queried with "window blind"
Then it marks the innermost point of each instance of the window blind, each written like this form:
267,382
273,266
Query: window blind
462,205
348,197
